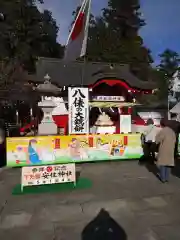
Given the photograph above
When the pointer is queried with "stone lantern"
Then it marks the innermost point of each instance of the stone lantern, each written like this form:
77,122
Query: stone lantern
47,125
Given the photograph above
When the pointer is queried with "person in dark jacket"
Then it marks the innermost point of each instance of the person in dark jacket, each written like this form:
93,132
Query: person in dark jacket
175,126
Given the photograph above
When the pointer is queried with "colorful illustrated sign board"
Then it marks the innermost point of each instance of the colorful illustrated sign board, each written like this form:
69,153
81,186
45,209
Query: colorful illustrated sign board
28,151
40,175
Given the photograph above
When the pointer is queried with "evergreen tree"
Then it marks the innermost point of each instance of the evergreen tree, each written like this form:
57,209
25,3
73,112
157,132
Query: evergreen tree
169,64
123,17
25,34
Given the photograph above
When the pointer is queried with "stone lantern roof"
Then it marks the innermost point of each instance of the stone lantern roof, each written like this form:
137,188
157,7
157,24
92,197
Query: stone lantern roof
47,86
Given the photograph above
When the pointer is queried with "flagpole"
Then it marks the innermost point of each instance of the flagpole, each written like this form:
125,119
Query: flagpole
84,46
83,70
84,59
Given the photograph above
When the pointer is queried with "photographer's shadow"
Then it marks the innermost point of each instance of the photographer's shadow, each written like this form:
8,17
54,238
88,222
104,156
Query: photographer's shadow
103,227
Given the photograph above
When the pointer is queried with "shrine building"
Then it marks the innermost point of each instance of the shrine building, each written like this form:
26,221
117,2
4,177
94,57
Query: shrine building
103,79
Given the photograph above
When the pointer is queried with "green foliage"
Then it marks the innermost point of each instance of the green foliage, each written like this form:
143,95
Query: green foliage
124,17
26,34
169,64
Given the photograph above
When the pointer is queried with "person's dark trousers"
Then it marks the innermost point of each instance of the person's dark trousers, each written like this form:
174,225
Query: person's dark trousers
176,146
164,173
2,155
150,152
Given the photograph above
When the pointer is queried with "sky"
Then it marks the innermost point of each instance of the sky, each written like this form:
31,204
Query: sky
162,18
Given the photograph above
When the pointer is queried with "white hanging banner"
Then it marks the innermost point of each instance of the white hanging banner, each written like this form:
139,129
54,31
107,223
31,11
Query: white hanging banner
78,101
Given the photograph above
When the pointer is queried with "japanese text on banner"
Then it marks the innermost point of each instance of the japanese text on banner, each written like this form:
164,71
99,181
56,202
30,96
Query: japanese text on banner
79,110
41,175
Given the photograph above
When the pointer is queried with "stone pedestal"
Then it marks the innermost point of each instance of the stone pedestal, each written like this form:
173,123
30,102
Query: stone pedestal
47,125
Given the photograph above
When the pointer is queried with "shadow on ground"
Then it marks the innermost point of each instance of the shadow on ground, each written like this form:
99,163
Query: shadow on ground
176,169
152,168
149,163
103,227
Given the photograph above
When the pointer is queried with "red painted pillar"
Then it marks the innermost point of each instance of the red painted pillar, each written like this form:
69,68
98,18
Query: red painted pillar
91,141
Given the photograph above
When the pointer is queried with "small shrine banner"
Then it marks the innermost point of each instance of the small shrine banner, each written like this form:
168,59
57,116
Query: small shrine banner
78,101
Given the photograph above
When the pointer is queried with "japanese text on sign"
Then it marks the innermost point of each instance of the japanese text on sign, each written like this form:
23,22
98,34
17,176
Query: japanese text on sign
109,98
79,110
40,175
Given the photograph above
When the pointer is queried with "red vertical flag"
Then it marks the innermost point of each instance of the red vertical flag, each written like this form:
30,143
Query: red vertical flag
77,40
